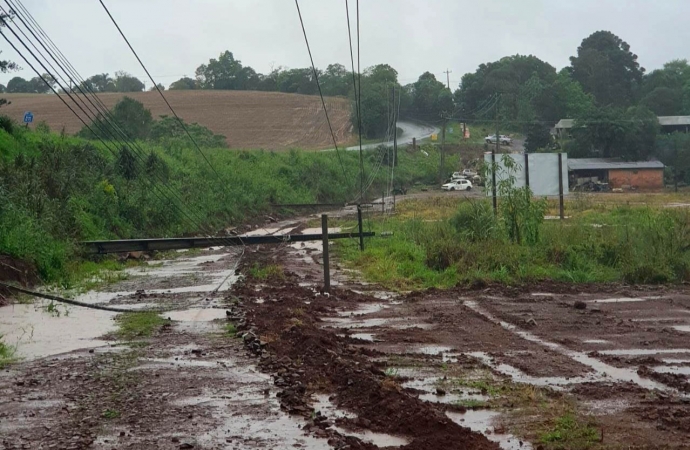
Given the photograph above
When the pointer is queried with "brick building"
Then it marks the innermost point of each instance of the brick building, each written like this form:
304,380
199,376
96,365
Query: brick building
616,172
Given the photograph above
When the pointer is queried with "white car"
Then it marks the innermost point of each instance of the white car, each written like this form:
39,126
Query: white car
504,140
469,173
458,176
457,185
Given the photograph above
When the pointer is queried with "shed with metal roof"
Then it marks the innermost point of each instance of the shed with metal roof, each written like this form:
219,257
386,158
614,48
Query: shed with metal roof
615,173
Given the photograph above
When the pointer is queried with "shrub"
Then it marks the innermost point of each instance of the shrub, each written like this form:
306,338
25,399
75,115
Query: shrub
475,220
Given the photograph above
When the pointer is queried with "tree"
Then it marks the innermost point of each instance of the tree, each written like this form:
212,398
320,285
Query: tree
226,73
184,83
664,101
99,83
538,138
607,69
126,164
125,82
18,85
563,99
674,151
169,129
297,81
129,115
614,132
509,77
5,66
159,86
430,98
335,80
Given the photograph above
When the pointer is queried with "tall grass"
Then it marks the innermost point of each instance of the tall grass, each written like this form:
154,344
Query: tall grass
632,245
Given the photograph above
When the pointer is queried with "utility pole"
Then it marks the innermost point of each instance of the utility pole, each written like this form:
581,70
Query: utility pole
442,161
448,72
395,131
495,150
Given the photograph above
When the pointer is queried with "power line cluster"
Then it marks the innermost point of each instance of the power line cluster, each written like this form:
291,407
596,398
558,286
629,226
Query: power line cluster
82,101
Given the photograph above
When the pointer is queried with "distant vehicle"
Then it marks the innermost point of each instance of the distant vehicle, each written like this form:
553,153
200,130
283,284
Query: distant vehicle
504,140
457,185
469,173
458,176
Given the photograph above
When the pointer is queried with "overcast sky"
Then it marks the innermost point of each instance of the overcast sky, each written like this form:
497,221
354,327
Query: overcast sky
173,37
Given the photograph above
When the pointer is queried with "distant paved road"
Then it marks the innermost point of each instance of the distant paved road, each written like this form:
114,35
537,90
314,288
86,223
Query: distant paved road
410,130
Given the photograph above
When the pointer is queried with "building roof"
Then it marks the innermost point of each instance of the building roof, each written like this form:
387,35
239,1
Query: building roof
669,121
664,121
611,163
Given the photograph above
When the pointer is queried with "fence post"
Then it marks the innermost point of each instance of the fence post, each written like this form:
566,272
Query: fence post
361,230
560,184
526,169
326,262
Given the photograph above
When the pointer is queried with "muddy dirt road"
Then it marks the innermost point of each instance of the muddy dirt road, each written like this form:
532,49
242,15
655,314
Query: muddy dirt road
266,360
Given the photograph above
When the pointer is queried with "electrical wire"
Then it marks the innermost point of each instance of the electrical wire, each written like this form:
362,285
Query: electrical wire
358,97
318,85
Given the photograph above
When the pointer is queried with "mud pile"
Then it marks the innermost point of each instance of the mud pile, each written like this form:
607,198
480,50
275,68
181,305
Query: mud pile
305,358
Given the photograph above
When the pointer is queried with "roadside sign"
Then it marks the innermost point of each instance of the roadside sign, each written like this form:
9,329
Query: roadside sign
28,117
434,137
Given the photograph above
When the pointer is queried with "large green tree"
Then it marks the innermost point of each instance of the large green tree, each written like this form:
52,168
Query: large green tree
99,83
607,69
184,83
125,82
226,72
130,116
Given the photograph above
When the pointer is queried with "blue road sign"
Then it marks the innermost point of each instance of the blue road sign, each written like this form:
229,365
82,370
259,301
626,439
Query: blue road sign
28,117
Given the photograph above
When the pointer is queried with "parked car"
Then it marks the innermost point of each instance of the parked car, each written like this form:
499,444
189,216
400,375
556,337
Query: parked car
457,176
504,140
469,173
457,185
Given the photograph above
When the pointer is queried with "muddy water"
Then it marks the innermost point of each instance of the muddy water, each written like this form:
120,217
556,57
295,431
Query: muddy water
37,333
600,368
482,421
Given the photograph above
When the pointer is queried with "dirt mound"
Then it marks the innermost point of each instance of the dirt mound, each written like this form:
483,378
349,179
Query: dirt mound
15,271
248,119
305,358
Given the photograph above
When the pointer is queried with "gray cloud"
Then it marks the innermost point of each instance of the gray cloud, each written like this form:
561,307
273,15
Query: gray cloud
173,37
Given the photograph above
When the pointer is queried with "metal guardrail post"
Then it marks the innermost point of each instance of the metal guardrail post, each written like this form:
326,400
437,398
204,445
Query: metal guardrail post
361,229
326,262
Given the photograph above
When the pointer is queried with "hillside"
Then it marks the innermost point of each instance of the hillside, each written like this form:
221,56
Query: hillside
248,119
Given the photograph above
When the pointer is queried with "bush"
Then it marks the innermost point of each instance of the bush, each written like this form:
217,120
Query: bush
475,220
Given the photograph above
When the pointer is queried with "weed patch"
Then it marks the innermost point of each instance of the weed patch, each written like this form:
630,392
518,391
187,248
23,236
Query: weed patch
138,325
267,272
7,354
569,432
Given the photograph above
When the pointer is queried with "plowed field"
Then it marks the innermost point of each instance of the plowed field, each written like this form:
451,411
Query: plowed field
248,119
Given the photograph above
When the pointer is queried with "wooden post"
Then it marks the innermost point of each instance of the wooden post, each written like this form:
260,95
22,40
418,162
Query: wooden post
414,143
326,263
361,230
383,203
526,169
560,184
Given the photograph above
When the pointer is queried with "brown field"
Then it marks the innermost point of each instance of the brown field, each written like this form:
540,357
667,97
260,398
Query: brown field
248,119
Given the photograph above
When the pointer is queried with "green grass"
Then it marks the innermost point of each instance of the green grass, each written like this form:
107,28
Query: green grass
111,414
138,325
7,354
267,272
638,245
471,403
569,432
231,330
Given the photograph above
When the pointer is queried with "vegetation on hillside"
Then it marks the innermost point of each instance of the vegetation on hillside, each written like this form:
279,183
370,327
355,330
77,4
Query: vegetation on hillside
56,190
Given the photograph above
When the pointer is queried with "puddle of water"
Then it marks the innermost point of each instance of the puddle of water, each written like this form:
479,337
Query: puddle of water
39,334
481,421
599,367
519,376
382,295
680,370
428,385
685,328
542,294
676,361
624,299
432,349
606,407
180,362
378,439
596,341
321,403
643,351
336,322
196,315
363,336
366,309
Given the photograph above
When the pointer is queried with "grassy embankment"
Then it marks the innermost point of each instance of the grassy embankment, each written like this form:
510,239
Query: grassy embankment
56,190
443,242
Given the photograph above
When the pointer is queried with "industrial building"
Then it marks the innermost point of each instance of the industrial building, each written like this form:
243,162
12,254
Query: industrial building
615,173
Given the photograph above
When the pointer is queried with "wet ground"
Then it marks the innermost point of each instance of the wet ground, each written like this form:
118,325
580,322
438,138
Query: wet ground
486,368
